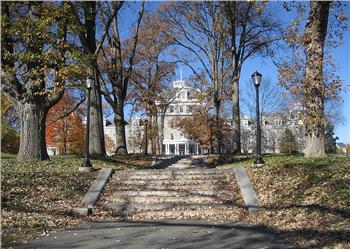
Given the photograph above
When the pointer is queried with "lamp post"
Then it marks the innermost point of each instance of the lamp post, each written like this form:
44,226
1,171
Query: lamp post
87,166
256,77
211,123
146,139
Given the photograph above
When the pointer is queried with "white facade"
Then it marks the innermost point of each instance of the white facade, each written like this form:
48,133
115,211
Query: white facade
52,150
175,142
273,126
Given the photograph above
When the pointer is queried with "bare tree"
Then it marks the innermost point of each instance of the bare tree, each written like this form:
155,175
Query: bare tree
200,31
152,75
85,14
118,60
165,98
272,97
252,31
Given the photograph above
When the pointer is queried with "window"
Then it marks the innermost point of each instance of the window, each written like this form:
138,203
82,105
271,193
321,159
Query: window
181,109
278,122
190,109
171,136
171,109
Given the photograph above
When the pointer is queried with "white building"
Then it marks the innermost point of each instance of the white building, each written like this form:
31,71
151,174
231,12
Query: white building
175,142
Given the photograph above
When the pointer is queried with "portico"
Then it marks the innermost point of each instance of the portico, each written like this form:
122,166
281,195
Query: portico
181,148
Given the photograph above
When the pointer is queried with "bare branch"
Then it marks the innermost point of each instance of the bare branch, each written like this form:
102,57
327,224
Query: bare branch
67,113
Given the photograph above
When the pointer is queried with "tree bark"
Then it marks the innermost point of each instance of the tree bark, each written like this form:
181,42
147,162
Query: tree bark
161,130
88,41
218,147
120,129
156,134
96,134
236,119
32,143
314,38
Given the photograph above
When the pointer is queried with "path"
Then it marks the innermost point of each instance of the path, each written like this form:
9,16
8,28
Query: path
173,234
186,189
163,204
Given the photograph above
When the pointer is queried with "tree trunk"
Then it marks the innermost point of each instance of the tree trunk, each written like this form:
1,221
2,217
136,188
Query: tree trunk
96,135
120,129
161,131
236,119
217,128
156,134
314,37
33,141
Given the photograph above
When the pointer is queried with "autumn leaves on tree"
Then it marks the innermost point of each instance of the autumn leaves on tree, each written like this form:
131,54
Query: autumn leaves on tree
65,134
49,47
35,56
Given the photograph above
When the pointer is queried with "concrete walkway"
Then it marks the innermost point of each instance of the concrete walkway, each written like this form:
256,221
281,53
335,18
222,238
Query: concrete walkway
166,234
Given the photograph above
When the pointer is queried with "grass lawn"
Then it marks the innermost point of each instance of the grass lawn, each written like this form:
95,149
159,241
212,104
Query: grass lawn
306,199
38,196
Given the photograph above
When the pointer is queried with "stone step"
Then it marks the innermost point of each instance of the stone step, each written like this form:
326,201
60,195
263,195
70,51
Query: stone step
169,182
167,199
136,187
184,165
163,206
175,172
171,173
174,213
146,193
169,177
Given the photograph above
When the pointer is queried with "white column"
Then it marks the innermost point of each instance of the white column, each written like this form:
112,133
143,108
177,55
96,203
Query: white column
166,149
186,149
176,149
197,148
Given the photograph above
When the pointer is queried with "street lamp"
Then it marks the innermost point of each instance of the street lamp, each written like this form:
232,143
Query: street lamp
87,166
146,140
256,77
211,123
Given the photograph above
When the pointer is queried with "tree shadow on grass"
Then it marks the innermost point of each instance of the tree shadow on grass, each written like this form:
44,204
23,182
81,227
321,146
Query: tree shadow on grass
229,159
313,207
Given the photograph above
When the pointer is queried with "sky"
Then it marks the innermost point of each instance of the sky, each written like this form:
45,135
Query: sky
265,65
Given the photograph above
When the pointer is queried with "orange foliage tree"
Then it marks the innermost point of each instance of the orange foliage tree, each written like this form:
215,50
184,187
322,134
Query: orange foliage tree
67,133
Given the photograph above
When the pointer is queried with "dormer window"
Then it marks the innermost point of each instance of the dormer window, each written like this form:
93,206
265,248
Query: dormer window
171,136
278,122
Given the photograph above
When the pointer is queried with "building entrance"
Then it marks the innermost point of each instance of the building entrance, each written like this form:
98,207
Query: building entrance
181,149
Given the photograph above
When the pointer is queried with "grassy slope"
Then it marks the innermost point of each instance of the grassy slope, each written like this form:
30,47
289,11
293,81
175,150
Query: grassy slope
306,199
37,196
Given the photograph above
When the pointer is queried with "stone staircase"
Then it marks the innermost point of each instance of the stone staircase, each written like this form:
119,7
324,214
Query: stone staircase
182,191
